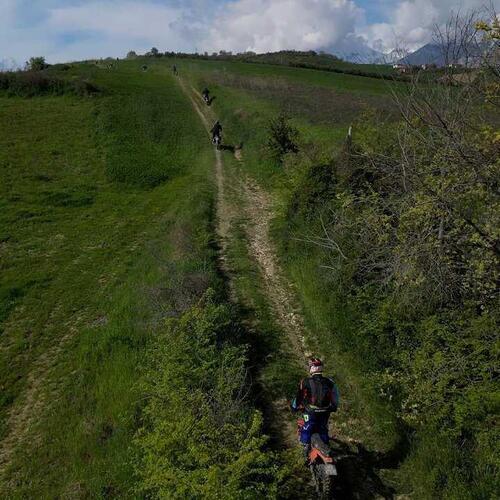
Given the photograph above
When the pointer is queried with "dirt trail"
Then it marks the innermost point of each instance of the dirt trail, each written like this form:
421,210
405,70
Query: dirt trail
359,468
256,206
259,213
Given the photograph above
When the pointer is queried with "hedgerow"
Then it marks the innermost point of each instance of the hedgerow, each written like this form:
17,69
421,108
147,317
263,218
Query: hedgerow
36,83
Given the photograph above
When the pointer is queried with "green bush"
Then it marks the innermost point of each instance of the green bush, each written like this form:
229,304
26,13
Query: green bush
36,64
199,438
423,311
316,186
36,83
282,138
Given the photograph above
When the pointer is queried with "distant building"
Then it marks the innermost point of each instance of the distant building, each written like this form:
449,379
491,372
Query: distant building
401,68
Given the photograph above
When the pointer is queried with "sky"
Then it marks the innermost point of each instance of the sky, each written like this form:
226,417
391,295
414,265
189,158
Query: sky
69,30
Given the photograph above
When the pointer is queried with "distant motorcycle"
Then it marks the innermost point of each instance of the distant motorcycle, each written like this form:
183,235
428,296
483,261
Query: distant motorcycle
217,141
322,466
206,98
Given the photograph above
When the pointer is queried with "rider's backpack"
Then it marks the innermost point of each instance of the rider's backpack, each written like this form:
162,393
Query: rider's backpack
319,394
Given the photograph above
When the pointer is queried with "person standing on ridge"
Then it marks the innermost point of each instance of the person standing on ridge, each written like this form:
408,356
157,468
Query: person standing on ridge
317,397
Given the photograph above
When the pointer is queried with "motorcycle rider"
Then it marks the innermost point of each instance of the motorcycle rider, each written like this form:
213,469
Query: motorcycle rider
317,397
205,93
216,131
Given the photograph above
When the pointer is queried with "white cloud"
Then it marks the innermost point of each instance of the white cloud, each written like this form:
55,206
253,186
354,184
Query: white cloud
117,27
411,23
75,29
127,19
95,29
270,25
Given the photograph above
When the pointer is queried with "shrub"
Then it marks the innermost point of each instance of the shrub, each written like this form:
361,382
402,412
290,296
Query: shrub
282,137
199,438
34,83
412,258
314,191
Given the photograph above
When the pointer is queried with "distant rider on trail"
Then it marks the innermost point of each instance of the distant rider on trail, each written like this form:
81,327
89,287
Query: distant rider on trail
216,132
205,93
317,397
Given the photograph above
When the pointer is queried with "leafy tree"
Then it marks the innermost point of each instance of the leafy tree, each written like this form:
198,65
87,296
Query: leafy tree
36,64
131,55
154,52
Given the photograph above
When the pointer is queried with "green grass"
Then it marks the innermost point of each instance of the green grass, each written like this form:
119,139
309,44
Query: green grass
322,106
97,247
337,81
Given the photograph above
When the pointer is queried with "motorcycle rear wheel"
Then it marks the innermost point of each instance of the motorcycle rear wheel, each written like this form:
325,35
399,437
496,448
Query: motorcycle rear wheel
324,483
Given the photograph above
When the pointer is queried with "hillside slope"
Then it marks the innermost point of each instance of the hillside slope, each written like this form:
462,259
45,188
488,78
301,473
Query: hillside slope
159,298
402,313
107,237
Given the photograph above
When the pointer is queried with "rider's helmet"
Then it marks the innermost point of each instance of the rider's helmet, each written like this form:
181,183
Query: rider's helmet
315,366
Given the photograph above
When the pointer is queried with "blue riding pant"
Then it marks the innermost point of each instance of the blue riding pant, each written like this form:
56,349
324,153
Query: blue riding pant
314,422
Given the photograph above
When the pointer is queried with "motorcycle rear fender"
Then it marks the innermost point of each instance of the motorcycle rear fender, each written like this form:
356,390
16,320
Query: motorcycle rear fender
315,454
330,469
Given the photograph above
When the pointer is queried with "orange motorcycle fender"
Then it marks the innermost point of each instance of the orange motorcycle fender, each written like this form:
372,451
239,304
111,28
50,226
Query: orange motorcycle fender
317,454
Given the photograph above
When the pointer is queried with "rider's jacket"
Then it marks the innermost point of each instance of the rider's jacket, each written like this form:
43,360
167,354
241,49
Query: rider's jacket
316,394
216,130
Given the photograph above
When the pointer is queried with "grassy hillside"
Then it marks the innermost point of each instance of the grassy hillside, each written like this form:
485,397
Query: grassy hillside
388,300
86,222
296,59
107,230
126,367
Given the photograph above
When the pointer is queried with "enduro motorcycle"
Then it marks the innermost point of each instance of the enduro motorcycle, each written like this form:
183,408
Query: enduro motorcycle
217,141
206,98
322,466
